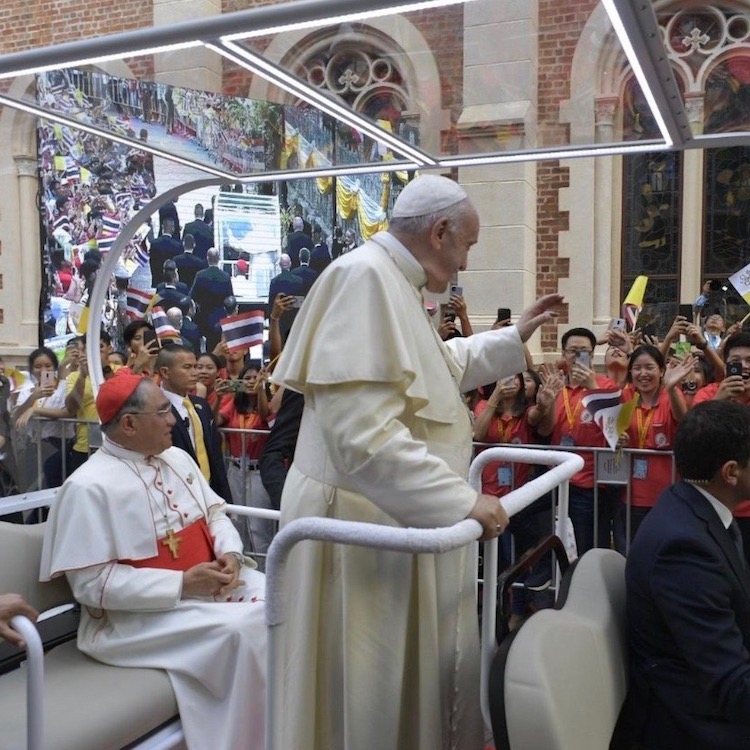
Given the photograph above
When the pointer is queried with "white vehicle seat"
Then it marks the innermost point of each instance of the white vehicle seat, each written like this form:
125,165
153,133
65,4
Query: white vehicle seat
560,680
88,705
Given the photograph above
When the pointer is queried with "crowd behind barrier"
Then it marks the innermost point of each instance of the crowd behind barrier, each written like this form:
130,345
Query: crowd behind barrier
611,468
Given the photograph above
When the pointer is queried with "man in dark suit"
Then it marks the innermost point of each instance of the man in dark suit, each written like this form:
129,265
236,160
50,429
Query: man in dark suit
163,248
188,264
210,288
688,596
201,231
171,290
304,271
169,211
189,331
321,255
286,283
194,430
296,240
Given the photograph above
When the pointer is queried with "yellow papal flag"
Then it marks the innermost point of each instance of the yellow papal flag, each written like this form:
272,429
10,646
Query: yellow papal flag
633,303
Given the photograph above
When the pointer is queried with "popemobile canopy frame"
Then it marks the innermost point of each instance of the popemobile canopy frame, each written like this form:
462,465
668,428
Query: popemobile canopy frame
634,23
230,35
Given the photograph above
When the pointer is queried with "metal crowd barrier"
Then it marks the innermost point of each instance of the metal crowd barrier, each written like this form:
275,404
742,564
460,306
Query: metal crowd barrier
611,468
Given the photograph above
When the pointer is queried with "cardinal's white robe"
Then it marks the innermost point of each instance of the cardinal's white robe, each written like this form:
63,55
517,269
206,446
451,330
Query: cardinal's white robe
381,649
112,509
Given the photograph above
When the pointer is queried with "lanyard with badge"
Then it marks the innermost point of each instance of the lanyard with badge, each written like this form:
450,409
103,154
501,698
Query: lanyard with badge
572,416
505,473
640,465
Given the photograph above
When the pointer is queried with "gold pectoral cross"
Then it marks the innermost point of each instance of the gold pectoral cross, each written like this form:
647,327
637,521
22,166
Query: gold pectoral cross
173,542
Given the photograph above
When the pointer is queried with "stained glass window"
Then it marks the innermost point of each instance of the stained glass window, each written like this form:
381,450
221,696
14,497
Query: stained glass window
726,241
651,232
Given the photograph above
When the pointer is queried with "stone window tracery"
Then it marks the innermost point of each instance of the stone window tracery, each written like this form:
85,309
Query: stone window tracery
709,48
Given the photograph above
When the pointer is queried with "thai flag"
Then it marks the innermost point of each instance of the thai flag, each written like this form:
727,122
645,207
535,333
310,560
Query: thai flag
72,173
110,224
141,255
608,411
124,202
164,329
68,139
104,244
137,301
244,330
63,222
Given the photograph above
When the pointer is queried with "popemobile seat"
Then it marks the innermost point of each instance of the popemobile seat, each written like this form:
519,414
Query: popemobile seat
88,705
559,681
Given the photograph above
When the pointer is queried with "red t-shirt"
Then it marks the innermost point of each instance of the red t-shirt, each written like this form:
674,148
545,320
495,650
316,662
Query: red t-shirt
500,477
253,442
652,429
574,425
708,393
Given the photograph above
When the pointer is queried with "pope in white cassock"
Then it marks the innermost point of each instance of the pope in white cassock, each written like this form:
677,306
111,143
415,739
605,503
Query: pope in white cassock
382,649
158,569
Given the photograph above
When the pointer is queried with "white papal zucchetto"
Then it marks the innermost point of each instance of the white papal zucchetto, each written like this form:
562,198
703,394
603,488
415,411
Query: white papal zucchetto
427,194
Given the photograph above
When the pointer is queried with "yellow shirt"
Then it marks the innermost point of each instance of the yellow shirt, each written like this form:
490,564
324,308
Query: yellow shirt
86,410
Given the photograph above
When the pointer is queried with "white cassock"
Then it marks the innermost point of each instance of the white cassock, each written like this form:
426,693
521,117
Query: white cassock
112,510
381,649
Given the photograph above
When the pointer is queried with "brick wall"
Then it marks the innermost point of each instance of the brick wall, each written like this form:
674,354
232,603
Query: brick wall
37,23
560,26
442,29
27,24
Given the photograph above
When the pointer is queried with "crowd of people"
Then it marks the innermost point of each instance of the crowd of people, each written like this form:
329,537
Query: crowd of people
354,416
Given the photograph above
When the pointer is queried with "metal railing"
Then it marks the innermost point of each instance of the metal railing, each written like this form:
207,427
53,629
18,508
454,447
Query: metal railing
611,468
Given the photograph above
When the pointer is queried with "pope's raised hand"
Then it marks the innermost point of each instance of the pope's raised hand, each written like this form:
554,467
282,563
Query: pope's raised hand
538,313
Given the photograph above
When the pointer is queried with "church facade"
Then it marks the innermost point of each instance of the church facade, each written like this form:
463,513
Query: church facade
484,76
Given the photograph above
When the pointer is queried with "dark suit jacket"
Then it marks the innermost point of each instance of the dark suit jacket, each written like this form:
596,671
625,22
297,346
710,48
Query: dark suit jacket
188,265
307,275
169,211
688,602
190,334
181,439
286,282
171,295
210,288
295,241
204,237
320,258
162,249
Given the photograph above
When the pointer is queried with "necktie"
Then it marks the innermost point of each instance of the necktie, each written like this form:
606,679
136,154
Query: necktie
200,443
734,532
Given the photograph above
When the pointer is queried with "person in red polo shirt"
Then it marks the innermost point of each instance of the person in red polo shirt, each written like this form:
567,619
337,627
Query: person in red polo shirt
569,424
661,405
734,387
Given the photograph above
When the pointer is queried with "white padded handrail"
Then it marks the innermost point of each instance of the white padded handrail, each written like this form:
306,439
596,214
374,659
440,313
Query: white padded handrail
34,681
414,541
564,465
396,539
